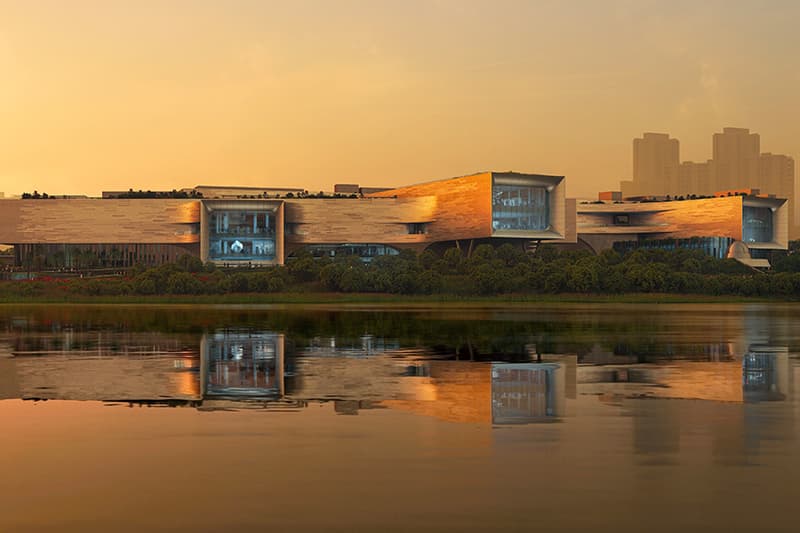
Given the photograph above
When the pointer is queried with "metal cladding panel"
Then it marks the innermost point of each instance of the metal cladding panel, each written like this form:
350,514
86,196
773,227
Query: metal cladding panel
782,217
718,217
363,220
558,209
87,221
463,206
680,219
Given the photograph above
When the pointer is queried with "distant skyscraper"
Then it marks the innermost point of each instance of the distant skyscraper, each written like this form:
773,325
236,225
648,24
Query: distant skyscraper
776,174
736,158
695,178
656,159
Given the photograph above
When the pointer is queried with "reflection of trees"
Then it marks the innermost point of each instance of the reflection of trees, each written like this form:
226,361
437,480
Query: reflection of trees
450,333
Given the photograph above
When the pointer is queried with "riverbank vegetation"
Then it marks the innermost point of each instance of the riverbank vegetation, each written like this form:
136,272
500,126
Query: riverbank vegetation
504,272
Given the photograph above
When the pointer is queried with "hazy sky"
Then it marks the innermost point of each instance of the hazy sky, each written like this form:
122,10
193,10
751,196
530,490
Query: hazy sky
165,94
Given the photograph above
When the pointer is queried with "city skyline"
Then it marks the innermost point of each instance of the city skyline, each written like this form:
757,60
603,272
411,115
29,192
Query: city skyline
111,95
737,163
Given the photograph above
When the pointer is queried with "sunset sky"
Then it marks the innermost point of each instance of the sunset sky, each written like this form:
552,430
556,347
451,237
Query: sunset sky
161,94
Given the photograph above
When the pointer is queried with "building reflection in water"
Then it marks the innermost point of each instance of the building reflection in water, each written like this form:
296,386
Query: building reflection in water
363,346
766,374
242,364
234,368
488,393
245,370
69,365
751,406
525,393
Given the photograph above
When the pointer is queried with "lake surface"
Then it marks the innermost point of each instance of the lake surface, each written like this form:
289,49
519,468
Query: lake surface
549,417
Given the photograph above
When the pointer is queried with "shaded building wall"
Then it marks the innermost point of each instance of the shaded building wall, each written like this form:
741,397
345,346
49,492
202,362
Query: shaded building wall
560,216
571,220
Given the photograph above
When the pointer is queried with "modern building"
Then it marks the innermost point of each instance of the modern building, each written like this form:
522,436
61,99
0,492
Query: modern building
737,163
746,227
249,226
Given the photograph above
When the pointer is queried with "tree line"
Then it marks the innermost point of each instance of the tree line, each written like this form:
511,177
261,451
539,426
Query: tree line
487,271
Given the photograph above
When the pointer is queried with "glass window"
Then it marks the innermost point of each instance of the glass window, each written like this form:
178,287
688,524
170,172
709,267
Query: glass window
713,246
366,252
241,236
520,208
757,224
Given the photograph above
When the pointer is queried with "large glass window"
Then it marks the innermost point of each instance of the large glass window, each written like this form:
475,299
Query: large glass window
757,224
520,208
241,236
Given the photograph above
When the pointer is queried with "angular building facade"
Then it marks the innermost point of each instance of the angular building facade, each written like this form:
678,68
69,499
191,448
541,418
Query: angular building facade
742,227
266,228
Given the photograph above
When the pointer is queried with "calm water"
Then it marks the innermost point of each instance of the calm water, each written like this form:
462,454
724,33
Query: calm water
571,417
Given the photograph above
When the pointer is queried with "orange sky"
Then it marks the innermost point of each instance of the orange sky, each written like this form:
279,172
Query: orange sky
162,94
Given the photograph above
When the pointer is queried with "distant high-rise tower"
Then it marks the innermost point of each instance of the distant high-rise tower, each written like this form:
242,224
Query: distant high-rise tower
776,174
656,159
695,178
736,159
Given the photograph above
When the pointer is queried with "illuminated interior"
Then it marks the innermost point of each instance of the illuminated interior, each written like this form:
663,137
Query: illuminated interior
520,207
238,235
